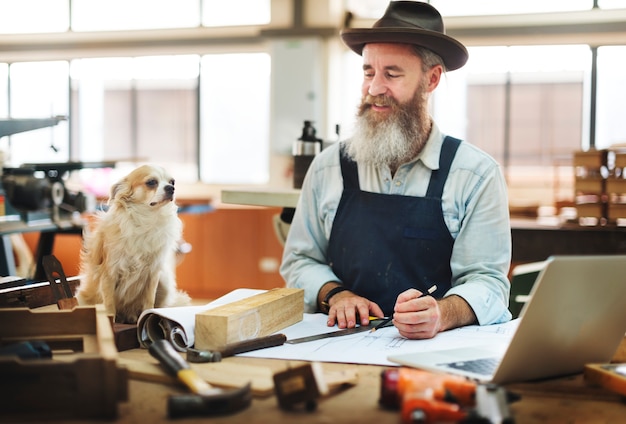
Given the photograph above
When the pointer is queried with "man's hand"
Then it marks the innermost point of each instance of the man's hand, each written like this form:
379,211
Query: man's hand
346,308
422,317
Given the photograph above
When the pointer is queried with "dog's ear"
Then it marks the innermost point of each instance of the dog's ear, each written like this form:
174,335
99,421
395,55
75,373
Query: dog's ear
119,190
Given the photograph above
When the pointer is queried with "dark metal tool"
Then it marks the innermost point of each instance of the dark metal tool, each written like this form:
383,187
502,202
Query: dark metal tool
199,355
339,333
205,400
63,295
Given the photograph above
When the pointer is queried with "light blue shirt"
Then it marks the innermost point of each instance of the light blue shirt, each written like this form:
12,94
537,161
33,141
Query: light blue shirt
475,208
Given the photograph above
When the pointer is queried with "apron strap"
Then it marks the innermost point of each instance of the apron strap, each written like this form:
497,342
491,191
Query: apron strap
349,170
439,176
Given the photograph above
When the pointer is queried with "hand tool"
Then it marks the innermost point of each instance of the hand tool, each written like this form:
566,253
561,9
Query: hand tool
300,385
338,333
306,383
205,399
426,397
199,355
64,297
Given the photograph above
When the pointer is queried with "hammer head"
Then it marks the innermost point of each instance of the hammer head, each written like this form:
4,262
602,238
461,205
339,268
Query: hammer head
223,403
201,356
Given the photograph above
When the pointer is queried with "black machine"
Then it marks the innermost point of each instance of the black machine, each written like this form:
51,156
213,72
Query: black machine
38,188
36,198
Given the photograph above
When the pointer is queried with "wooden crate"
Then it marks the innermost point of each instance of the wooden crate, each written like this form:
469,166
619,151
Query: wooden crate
82,380
616,211
591,159
620,159
591,210
589,185
616,186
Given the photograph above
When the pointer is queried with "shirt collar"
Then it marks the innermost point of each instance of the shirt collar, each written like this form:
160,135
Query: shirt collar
432,150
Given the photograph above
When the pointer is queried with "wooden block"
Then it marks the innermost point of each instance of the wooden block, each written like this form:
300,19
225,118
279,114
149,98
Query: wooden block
256,316
609,376
125,336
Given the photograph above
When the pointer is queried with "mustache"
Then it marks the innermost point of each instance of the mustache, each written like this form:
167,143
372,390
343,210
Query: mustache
381,100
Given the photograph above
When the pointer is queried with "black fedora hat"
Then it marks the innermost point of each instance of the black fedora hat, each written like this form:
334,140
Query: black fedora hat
410,22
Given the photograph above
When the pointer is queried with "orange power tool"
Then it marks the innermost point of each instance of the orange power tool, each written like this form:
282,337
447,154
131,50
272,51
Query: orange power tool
427,397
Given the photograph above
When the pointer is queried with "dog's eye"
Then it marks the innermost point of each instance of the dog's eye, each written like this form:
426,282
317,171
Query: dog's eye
152,182
172,181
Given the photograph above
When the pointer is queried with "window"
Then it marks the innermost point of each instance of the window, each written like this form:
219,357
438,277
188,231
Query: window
146,109
138,109
235,118
203,106
109,15
499,7
242,12
611,99
373,9
33,16
524,105
39,90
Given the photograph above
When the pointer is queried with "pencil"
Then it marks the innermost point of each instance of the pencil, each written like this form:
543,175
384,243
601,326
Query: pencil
381,324
387,320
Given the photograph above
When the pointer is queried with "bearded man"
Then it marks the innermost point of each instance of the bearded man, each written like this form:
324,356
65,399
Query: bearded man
401,220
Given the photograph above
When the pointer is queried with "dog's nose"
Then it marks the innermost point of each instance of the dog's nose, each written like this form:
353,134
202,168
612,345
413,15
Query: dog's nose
169,189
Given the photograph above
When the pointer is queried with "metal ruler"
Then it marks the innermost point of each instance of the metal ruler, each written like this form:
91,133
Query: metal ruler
338,333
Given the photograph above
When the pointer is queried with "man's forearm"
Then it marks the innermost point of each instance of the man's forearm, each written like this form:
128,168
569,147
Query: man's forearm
455,312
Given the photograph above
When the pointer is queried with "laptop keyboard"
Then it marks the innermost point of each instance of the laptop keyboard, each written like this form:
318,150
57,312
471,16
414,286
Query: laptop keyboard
483,366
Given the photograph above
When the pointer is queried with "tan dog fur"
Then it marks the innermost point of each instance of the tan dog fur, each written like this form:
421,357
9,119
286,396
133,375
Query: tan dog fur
128,260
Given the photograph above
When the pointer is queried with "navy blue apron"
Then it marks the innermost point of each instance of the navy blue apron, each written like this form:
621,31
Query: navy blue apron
383,244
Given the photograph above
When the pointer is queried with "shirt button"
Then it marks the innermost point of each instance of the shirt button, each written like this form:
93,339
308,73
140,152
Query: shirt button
398,183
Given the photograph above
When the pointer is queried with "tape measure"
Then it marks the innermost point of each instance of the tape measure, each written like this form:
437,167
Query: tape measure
609,376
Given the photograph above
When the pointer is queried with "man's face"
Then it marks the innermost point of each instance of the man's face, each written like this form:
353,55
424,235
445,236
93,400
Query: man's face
391,70
392,121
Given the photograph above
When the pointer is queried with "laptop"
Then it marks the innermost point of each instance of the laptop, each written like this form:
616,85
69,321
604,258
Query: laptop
576,315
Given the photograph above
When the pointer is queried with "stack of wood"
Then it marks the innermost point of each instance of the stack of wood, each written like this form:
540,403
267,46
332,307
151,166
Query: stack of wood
591,169
616,186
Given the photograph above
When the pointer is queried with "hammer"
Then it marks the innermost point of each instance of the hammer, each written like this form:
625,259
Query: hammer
204,400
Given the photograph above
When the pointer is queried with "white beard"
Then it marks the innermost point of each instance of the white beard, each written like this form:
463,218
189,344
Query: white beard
385,143
394,139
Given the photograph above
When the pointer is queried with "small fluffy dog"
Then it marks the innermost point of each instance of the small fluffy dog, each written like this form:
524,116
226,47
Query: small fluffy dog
128,260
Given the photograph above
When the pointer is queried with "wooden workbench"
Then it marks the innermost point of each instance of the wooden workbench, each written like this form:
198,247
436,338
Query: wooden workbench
552,401
560,400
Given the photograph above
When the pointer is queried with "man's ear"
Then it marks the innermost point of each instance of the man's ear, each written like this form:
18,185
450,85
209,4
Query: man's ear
434,76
